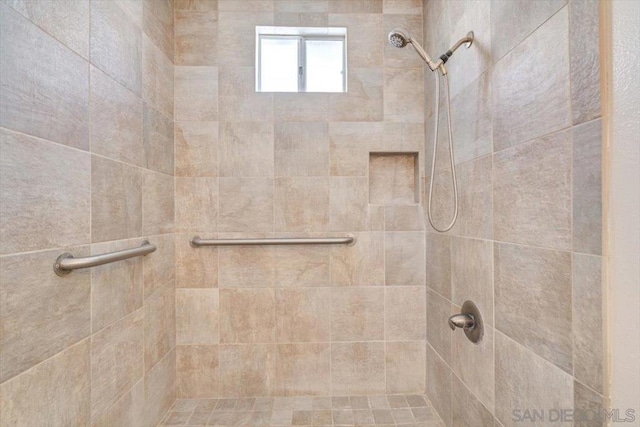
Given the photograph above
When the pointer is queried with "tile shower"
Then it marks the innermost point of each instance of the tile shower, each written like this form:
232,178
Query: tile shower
131,120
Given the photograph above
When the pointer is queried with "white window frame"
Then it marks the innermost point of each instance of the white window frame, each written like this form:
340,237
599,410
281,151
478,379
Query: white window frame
301,34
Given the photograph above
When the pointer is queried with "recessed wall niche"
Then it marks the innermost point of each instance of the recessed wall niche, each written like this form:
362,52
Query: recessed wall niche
393,178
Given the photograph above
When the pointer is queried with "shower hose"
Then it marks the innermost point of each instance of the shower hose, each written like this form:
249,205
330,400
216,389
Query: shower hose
435,151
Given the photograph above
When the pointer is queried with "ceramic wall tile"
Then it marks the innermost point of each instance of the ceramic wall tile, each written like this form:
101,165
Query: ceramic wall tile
116,44
246,149
248,204
158,141
247,315
247,370
535,283
196,93
67,21
57,213
115,115
364,99
404,258
303,315
117,361
303,369
45,85
472,274
197,316
405,367
584,31
158,78
301,149
42,314
357,368
117,288
196,204
301,204
239,100
116,200
357,314
588,317
365,43
196,36
157,23
56,391
524,380
196,149
158,205
513,21
197,371
587,188
159,328
519,80
532,192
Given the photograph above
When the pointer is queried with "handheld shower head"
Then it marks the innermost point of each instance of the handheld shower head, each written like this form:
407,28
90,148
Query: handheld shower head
399,38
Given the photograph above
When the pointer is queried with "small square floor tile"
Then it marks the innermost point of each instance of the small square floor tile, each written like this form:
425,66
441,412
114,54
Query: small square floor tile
424,414
416,401
379,402
261,418
263,404
342,417
221,419
199,418
341,402
205,405
383,416
177,418
320,403
302,418
397,401
184,405
403,416
363,417
322,418
359,402
226,404
282,417
245,404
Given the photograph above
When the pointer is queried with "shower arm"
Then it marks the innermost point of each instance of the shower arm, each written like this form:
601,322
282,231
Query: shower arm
468,40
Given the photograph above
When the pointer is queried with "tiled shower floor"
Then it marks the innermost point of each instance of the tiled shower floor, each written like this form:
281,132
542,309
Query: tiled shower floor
390,410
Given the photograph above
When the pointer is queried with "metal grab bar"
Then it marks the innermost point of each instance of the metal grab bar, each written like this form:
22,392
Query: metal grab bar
66,262
197,241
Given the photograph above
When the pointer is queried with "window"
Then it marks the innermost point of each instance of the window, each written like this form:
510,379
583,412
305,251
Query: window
297,59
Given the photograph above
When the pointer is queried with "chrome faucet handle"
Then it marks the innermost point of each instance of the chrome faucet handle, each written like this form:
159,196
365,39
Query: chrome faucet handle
464,321
470,321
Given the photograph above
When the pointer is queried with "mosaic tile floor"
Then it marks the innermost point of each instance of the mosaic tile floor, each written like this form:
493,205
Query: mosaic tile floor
390,410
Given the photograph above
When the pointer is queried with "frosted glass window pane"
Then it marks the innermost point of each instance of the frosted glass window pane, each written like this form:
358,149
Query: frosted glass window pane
324,66
279,65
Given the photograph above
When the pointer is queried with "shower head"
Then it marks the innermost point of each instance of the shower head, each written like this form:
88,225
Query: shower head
399,38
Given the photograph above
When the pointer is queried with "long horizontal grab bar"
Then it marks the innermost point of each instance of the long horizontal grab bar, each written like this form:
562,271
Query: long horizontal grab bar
67,262
197,241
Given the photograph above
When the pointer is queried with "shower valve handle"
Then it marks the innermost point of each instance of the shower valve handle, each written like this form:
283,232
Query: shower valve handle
464,321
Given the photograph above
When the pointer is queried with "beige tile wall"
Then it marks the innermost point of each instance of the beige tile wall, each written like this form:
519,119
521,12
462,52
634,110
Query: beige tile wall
86,157
528,243
304,320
